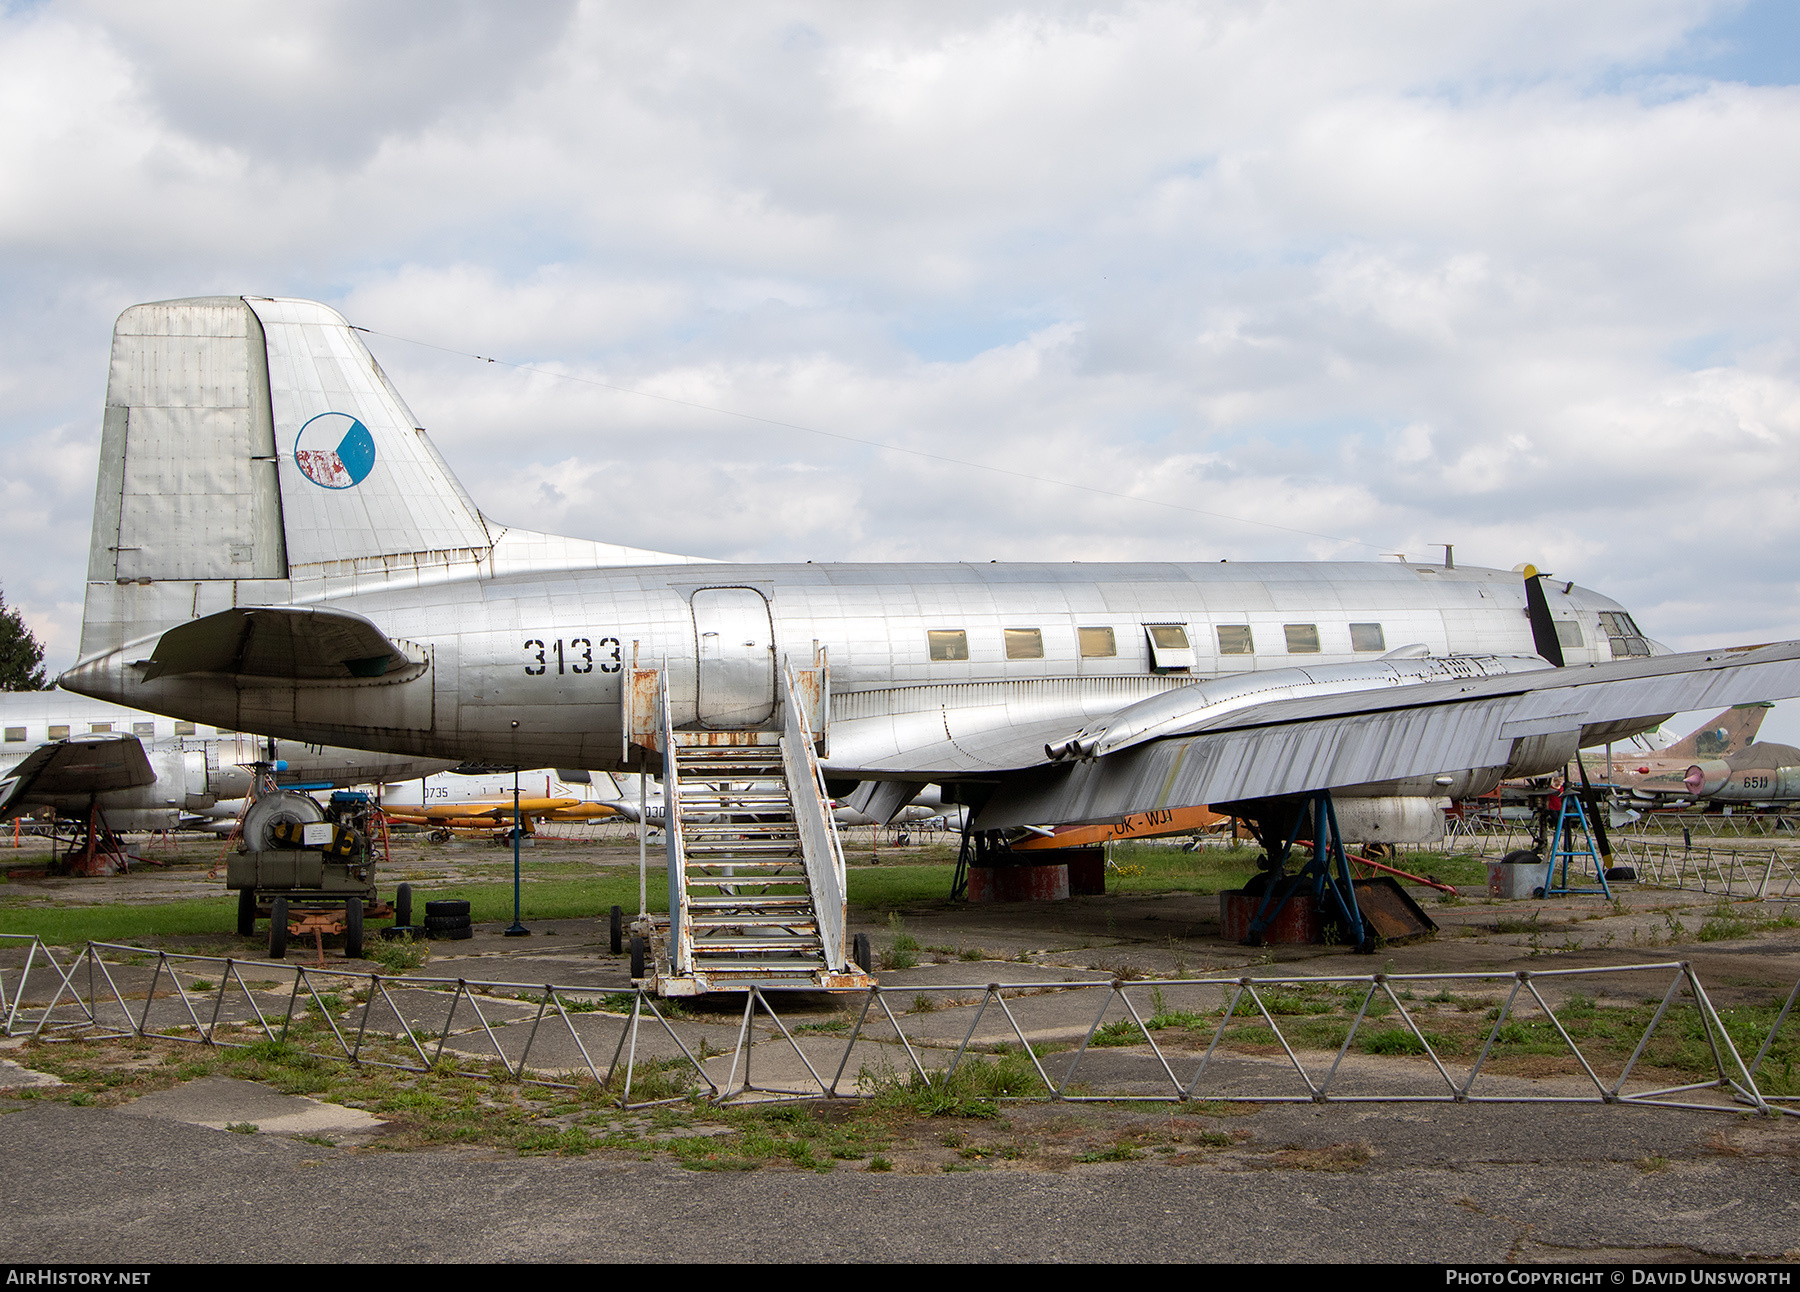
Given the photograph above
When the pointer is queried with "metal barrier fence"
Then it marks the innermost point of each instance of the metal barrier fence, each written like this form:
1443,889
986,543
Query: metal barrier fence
1262,1035
1737,872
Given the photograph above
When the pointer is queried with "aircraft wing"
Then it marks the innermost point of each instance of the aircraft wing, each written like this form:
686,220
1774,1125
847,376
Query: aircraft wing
86,764
1321,741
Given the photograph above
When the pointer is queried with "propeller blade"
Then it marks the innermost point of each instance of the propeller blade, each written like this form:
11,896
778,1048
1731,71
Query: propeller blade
1543,627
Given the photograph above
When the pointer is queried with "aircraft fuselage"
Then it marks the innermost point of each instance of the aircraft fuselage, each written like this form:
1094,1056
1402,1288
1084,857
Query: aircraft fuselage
526,666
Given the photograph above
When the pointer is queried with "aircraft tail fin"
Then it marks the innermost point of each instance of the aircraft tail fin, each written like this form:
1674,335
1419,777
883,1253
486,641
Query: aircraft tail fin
247,442
254,453
1723,734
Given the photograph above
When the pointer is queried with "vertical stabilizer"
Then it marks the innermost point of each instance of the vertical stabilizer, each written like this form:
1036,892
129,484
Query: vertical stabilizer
359,478
187,453
249,445
1724,734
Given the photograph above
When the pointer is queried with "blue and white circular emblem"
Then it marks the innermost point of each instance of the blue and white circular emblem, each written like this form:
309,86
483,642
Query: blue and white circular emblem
334,450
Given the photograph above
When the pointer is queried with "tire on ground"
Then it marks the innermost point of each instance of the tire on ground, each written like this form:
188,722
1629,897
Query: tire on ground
278,928
353,928
246,912
403,905
447,906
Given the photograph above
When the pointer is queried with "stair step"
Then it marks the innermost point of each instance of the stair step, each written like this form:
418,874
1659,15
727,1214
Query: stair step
776,848
723,971
738,946
778,902
801,930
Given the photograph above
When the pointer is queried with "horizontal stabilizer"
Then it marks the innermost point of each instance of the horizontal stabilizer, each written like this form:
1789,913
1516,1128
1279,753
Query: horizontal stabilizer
278,642
89,764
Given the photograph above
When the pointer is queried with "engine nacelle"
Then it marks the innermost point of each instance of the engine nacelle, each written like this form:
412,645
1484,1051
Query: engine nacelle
1410,819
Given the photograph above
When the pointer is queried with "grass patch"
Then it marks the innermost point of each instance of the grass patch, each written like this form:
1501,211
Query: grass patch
971,1091
1122,1032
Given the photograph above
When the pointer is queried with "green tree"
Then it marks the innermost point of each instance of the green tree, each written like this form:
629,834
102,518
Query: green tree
21,655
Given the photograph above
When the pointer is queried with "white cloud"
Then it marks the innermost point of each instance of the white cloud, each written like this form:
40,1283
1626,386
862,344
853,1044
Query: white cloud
1401,273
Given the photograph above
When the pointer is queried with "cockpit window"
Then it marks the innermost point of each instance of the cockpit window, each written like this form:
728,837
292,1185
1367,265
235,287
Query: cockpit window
1623,634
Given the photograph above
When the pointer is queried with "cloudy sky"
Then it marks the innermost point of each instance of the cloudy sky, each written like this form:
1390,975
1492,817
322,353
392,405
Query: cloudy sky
1300,281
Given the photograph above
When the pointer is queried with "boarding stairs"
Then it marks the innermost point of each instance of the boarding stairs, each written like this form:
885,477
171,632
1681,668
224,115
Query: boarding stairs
756,871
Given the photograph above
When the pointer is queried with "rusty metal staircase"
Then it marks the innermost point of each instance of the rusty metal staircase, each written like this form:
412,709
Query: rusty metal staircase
756,872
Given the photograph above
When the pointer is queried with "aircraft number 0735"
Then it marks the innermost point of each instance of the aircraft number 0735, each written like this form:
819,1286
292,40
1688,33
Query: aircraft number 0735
579,657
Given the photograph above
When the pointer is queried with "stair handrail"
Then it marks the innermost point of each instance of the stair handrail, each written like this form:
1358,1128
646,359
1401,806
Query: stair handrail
820,848
681,949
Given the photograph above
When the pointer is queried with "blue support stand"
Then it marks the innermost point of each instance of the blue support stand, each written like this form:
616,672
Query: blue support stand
1574,838
1325,878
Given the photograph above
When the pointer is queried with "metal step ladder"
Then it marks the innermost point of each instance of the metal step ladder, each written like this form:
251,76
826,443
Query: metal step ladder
756,871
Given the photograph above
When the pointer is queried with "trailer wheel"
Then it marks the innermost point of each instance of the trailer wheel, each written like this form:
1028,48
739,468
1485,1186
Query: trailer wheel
637,956
246,912
278,928
403,906
618,930
353,947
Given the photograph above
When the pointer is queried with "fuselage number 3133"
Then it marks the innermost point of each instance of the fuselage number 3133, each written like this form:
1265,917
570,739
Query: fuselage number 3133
578,657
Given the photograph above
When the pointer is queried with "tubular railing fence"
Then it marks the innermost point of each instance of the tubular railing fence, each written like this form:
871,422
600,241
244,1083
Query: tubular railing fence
1644,1035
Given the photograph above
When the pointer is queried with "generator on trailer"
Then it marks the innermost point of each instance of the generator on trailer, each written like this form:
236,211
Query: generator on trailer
309,869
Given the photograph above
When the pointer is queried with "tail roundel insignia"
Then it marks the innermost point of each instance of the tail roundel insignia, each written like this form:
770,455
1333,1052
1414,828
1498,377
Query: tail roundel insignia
334,451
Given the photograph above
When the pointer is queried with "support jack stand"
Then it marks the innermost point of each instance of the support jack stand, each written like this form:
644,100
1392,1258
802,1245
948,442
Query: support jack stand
1325,877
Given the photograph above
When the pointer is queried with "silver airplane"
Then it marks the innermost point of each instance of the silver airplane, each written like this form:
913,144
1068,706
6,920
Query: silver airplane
279,547
70,753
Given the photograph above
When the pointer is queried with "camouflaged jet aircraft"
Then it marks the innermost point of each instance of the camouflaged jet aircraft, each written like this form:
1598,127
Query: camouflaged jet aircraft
279,547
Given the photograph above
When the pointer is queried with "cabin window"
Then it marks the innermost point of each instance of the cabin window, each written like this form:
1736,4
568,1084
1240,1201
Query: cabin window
1170,650
143,728
949,643
59,733
1024,643
1097,643
1235,639
1302,639
184,728
223,731
1568,633
100,727
1367,637
14,734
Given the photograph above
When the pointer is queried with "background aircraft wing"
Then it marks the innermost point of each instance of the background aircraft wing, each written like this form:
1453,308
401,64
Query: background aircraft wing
1304,742
88,764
